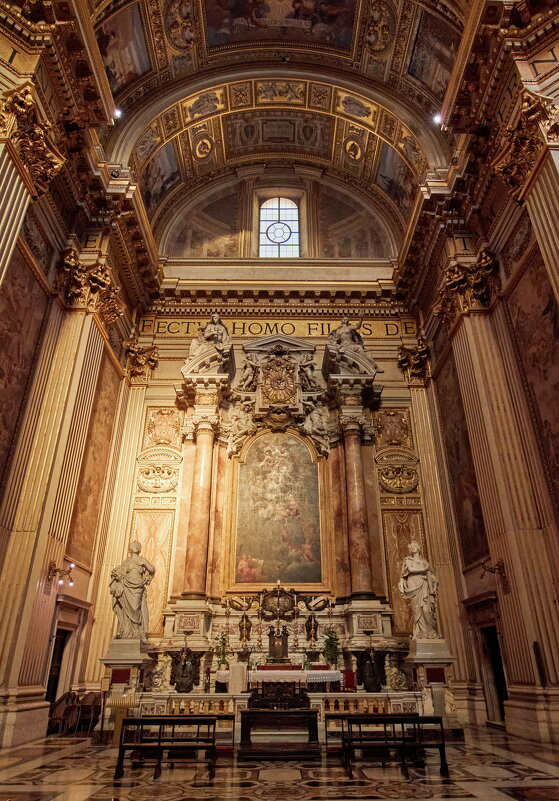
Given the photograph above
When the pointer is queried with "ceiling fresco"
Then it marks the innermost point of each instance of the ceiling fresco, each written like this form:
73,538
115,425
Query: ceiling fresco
404,51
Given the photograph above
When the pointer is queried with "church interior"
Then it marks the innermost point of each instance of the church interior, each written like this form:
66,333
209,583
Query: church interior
279,449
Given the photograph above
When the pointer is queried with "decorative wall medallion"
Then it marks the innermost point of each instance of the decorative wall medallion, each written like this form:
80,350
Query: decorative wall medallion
278,381
353,149
398,478
158,470
203,147
158,478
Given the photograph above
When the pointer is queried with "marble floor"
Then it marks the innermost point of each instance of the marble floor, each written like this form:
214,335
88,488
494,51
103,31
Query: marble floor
488,765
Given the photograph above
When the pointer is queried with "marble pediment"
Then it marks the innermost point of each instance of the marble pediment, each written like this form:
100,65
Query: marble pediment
267,344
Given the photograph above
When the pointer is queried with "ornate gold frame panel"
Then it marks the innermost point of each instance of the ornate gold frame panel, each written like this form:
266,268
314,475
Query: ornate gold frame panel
231,585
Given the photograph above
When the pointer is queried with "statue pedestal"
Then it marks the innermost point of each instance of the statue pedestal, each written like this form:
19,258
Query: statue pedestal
124,653
429,652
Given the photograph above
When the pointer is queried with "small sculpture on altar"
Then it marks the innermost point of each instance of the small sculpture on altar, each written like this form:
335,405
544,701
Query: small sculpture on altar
278,647
128,588
311,628
212,336
245,627
395,679
185,672
418,583
161,676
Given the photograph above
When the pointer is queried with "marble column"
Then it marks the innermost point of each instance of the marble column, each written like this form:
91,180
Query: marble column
215,567
358,524
199,522
15,194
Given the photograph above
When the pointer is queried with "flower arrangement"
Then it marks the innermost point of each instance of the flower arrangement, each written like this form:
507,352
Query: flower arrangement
221,649
331,649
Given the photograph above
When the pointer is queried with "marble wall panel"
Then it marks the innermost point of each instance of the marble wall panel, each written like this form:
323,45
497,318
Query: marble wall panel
463,481
22,308
400,528
154,531
87,507
534,319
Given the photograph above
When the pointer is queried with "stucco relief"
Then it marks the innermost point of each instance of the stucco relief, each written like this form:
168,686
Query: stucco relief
94,466
22,308
158,470
163,426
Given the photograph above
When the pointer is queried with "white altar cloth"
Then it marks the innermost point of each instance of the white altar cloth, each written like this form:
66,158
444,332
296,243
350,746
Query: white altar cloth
300,676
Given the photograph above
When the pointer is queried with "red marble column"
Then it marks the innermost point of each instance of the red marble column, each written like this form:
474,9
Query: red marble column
214,572
358,525
199,522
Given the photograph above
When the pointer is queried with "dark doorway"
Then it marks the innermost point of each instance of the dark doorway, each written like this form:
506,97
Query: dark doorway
60,640
496,684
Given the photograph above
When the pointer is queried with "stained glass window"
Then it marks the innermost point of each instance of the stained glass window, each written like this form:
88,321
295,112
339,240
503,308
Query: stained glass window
279,228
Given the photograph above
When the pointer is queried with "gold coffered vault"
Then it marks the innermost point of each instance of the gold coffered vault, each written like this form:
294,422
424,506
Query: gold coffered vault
278,309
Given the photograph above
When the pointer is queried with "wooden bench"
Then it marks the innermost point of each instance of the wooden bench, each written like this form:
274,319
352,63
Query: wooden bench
382,734
176,736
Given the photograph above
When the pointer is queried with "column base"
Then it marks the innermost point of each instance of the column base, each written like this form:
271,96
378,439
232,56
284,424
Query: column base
469,701
190,615
368,621
533,713
23,717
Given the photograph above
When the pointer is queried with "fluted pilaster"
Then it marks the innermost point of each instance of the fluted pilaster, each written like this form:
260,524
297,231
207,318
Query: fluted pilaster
113,538
441,532
543,207
15,194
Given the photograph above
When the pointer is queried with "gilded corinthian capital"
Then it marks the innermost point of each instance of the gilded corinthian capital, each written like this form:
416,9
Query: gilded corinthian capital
31,136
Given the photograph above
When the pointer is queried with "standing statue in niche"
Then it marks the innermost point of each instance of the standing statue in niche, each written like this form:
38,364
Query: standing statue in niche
213,335
128,588
418,583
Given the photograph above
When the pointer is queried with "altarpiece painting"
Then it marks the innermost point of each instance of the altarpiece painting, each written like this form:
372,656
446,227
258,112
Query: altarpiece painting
278,513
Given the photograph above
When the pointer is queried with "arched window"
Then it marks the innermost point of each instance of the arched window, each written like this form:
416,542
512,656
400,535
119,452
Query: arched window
279,228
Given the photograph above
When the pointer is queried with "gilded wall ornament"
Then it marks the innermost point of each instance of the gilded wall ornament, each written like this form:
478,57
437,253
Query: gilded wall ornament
468,286
392,428
32,138
141,361
526,140
278,379
399,479
162,426
414,361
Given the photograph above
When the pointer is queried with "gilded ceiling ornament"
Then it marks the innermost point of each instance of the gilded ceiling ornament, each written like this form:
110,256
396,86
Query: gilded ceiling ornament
414,361
141,361
398,478
32,138
381,28
179,24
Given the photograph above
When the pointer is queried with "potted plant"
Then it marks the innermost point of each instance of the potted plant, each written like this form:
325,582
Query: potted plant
221,650
331,649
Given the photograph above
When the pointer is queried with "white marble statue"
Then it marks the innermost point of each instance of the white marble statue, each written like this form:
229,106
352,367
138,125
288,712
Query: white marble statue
418,583
212,335
128,588
347,337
